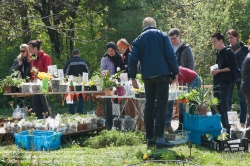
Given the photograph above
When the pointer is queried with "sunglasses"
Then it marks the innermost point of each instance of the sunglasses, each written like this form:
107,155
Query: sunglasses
22,51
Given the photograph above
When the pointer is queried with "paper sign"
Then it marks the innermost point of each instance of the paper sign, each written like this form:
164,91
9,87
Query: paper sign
52,69
232,117
60,74
124,76
85,77
78,79
69,100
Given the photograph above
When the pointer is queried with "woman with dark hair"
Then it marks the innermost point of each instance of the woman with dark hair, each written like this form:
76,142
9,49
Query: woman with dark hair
112,62
41,61
240,51
22,62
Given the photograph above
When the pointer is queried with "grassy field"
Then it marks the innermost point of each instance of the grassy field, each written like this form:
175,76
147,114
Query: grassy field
118,151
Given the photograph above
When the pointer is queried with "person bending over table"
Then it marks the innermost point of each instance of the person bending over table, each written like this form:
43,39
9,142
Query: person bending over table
192,79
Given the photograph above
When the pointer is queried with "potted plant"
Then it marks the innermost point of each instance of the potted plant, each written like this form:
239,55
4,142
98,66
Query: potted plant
201,101
108,83
71,86
7,83
98,79
93,87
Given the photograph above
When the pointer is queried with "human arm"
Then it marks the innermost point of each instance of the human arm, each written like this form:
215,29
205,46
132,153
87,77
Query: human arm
133,60
47,61
15,66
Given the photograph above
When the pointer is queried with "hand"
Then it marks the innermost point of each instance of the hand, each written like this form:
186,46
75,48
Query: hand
20,63
215,72
134,83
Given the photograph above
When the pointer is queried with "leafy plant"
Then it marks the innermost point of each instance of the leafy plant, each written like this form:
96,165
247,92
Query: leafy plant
199,98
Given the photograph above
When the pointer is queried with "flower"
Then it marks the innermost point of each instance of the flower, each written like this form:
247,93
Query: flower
110,81
145,156
40,75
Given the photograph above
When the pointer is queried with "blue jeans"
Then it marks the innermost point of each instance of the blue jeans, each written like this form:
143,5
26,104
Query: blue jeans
242,101
170,105
221,91
155,88
79,106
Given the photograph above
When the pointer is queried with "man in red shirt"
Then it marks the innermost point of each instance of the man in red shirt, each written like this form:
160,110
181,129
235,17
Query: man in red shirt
41,61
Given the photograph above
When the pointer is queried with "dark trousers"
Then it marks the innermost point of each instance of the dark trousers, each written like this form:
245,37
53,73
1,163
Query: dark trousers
155,89
80,105
221,91
242,101
247,96
40,106
109,113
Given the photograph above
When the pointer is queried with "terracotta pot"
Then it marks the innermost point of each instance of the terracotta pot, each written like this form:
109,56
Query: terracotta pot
71,88
84,126
202,110
108,92
8,89
79,127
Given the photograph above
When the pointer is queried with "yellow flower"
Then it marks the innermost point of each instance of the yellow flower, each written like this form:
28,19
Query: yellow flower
207,135
125,162
92,83
145,156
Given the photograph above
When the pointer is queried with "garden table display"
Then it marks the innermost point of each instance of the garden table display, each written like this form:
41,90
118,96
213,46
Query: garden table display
173,95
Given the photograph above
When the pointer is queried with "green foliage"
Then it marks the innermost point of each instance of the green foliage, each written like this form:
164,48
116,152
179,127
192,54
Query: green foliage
115,138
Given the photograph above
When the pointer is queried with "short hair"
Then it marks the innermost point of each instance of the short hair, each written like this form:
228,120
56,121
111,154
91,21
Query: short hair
218,36
75,52
174,31
36,43
232,32
148,21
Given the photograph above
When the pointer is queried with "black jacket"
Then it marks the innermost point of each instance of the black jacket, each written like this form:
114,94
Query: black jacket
24,68
124,64
76,66
225,58
245,75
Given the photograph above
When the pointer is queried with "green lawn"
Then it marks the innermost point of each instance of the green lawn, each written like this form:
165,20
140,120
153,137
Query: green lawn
74,152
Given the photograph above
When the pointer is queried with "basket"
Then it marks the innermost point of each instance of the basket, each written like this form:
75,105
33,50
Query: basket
38,140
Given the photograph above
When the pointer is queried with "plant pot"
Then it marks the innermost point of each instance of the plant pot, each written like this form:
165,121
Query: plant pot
45,83
79,127
202,110
14,89
86,88
8,89
63,88
36,88
55,85
26,88
142,95
120,90
137,95
108,92
84,126
71,88
78,87
93,88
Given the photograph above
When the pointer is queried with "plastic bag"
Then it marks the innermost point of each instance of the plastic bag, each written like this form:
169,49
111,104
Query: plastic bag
20,113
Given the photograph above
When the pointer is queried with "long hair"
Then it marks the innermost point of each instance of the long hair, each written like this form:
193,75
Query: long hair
26,48
124,44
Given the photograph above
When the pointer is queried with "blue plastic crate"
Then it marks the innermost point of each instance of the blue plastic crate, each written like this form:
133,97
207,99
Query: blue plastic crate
195,135
202,122
39,140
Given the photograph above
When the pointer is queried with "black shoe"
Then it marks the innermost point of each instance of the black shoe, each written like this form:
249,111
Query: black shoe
151,143
166,144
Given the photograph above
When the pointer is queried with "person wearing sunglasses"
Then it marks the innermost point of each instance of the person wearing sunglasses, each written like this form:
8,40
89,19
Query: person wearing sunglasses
22,62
